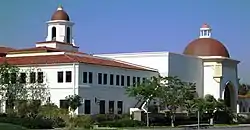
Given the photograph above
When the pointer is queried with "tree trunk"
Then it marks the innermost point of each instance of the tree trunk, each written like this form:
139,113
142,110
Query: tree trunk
211,121
172,120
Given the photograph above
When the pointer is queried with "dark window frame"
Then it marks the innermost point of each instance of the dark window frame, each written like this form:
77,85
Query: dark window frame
117,80
138,80
32,77
53,33
64,104
85,77
68,37
23,78
111,79
119,107
87,106
60,76
128,81
40,77
111,107
13,78
134,81
102,109
68,75
90,77
122,80
105,79
99,78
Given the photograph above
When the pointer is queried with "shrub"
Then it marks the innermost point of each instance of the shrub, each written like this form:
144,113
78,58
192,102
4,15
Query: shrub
83,121
58,116
243,119
106,117
122,123
31,123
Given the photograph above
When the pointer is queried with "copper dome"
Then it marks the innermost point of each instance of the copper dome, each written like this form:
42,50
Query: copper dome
60,14
206,47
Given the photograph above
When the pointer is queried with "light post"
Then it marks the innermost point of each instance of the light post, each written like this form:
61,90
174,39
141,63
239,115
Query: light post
198,120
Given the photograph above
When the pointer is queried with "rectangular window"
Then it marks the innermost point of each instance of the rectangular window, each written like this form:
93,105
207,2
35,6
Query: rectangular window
119,107
87,107
102,107
85,77
13,78
68,76
134,81
99,78
6,78
117,80
90,77
40,77
128,81
60,77
105,79
143,80
64,104
23,77
111,107
111,79
138,80
122,80
32,77
9,105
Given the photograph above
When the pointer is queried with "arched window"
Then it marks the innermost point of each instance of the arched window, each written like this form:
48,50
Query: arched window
53,33
68,35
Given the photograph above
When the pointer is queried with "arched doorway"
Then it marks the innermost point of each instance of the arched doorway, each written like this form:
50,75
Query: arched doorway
229,95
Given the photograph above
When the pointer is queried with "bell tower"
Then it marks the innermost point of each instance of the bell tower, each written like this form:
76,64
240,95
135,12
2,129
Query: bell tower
60,27
205,31
60,32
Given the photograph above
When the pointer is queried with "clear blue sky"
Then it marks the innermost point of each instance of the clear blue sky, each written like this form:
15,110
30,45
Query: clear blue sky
107,26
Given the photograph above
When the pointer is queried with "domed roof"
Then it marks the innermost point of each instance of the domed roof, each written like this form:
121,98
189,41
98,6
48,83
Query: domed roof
60,14
206,47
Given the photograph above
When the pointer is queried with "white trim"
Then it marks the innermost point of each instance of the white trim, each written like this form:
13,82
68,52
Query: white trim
140,66
34,54
133,54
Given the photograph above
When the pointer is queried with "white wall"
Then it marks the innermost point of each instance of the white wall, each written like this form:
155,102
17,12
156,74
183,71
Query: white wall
59,91
230,74
156,60
107,92
61,27
187,68
211,85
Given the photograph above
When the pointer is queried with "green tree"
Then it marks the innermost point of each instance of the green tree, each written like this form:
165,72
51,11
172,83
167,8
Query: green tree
174,93
146,90
16,91
210,106
74,102
221,107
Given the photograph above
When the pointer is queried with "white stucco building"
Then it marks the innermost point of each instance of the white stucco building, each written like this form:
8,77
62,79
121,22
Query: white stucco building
100,79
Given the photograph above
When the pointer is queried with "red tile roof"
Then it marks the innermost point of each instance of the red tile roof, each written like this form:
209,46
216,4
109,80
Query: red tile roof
6,49
40,49
66,58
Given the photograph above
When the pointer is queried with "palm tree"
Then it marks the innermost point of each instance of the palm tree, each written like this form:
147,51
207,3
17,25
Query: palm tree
243,89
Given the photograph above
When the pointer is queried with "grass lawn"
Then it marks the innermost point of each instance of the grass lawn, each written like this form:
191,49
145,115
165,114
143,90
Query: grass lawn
5,126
